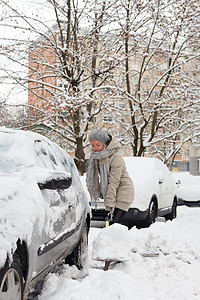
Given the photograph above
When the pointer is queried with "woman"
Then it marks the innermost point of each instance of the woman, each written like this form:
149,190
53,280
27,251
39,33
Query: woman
107,176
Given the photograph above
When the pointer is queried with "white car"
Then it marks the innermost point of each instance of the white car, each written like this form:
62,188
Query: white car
44,211
155,193
187,188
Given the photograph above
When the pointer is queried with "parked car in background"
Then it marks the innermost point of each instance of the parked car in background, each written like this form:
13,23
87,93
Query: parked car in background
44,211
188,188
155,193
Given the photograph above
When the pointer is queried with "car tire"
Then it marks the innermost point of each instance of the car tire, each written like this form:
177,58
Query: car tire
11,281
172,215
151,218
78,256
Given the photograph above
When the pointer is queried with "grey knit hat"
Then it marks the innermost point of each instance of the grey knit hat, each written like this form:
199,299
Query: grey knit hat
99,135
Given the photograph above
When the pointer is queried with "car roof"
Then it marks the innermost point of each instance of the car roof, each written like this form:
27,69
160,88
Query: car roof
25,133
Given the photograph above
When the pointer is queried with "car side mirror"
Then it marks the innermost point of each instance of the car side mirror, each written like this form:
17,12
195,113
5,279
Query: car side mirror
56,184
161,180
178,183
161,177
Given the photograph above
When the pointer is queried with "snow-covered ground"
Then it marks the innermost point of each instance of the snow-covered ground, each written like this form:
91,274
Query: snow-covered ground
163,263
156,263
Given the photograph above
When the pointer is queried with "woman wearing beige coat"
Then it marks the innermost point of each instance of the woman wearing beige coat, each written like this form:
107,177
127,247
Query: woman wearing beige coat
107,176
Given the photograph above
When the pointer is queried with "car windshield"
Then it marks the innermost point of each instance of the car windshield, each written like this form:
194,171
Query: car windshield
12,157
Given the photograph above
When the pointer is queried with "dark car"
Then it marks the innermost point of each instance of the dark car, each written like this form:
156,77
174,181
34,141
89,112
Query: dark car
44,211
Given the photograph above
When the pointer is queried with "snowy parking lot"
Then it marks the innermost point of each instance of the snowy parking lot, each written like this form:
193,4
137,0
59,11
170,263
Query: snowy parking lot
164,263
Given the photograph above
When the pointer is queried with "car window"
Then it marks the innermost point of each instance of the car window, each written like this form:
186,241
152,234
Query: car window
45,156
166,173
64,160
51,156
67,164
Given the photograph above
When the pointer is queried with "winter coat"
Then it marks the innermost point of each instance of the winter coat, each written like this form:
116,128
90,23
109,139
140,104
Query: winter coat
120,190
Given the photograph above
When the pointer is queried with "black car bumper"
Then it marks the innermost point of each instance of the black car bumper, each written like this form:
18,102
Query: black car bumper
188,203
132,217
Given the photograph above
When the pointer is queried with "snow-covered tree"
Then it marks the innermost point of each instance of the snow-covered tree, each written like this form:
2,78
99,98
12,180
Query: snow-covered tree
135,60
68,60
160,85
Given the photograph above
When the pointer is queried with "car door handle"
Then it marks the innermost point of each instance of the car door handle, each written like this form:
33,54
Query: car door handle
55,203
70,206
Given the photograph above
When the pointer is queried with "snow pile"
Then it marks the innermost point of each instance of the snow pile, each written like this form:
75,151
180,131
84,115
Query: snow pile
117,243
171,274
109,244
169,239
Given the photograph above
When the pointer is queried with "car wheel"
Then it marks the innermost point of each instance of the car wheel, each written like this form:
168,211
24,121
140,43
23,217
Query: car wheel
78,256
151,218
11,282
172,215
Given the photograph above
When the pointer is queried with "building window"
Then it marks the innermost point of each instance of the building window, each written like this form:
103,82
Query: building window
107,119
106,90
198,164
122,105
146,80
186,152
94,119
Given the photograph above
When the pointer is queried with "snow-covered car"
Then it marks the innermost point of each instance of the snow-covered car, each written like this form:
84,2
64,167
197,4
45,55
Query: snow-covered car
188,190
155,193
44,211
